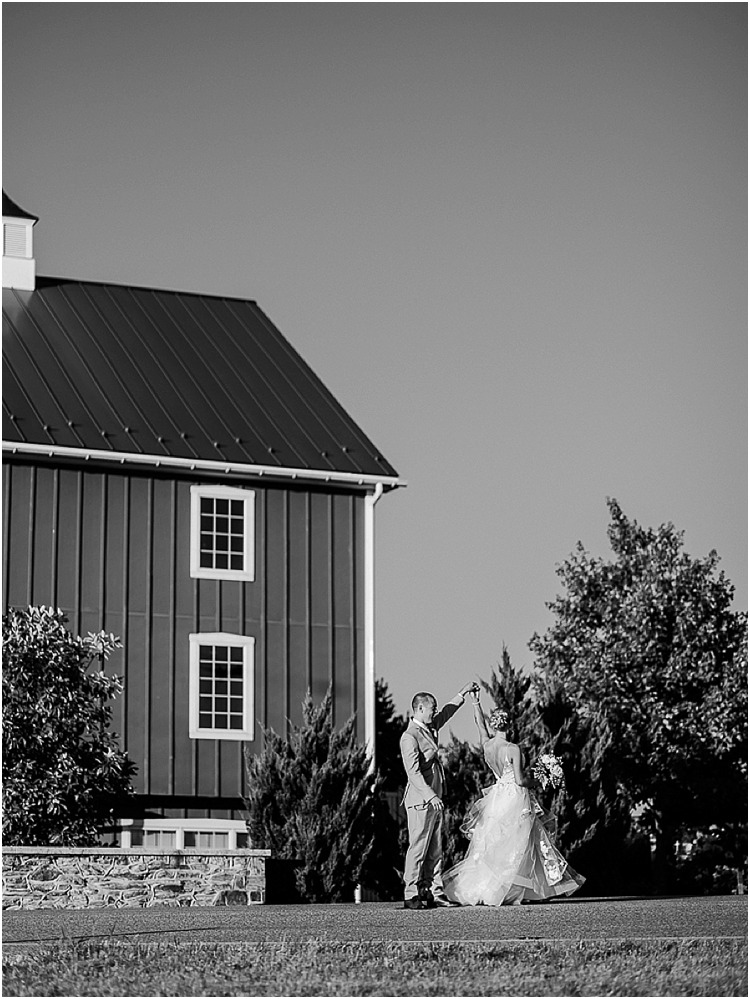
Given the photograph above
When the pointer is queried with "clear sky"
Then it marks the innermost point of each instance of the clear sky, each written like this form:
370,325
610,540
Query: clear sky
511,239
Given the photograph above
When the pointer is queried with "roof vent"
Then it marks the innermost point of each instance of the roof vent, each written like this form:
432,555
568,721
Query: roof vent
19,266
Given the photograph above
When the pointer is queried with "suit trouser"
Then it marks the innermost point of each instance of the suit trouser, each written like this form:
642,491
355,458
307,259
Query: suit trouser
424,858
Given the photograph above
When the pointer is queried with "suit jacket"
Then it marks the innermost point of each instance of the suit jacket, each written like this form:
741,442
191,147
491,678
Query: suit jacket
419,752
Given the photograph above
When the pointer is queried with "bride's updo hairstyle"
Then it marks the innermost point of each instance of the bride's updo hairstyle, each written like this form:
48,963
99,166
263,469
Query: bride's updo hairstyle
499,720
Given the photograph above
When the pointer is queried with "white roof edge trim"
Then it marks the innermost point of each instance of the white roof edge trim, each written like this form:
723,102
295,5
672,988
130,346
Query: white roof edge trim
203,465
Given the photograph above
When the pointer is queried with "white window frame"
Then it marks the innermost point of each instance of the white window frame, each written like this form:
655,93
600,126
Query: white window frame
179,827
247,573
247,732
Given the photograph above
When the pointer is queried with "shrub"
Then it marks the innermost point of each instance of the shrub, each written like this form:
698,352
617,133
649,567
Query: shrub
62,767
310,799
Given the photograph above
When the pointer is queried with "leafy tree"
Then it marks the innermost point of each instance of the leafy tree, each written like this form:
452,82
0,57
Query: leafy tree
310,799
649,642
62,768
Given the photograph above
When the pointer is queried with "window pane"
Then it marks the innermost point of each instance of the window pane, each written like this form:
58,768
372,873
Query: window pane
221,702
236,562
220,841
238,508
166,838
238,544
189,838
243,840
222,562
222,506
222,525
222,542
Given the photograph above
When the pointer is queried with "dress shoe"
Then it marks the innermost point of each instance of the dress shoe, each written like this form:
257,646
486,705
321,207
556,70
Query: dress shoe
442,901
415,903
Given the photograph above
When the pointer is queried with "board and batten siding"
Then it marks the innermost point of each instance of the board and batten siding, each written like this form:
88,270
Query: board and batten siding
113,552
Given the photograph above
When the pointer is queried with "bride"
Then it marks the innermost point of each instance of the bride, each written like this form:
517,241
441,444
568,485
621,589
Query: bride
511,857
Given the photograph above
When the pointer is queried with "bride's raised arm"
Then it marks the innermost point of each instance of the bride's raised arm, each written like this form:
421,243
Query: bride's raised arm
479,718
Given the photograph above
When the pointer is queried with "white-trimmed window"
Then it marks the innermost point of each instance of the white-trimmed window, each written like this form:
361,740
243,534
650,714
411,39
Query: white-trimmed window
222,532
221,686
181,834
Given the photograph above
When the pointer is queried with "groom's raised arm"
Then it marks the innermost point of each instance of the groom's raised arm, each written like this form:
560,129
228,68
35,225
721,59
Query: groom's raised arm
448,710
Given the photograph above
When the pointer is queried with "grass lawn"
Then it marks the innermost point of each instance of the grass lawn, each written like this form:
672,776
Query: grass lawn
321,967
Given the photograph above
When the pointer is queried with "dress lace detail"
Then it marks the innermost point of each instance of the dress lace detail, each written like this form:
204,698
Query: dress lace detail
507,776
512,856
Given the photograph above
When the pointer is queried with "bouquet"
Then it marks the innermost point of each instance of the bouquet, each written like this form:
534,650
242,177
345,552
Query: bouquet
549,772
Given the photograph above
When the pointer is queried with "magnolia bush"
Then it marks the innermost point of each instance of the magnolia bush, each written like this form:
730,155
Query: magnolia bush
62,767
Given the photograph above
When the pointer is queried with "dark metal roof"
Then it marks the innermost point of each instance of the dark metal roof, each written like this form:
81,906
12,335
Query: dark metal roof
11,208
140,371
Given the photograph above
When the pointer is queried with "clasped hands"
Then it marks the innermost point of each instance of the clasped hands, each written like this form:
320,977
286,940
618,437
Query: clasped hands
472,689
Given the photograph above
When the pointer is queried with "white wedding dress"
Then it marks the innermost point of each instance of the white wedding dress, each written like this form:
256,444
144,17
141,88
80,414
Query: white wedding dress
511,856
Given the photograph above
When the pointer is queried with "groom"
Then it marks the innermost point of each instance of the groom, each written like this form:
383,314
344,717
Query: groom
423,882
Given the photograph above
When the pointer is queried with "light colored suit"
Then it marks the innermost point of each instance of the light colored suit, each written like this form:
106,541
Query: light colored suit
425,779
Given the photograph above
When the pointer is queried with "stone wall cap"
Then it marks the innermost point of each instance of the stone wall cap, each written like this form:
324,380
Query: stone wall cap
130,851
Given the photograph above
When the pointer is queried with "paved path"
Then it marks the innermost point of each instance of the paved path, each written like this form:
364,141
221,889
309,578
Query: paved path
564,919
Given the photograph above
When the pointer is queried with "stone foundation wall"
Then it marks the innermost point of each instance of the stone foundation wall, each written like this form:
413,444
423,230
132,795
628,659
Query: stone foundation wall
99,877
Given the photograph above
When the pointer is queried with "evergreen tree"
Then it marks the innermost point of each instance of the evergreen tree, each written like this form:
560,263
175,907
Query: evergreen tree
382,871
466,770
466,775
592,815
63,770
510,689
593,812
389,727
310,799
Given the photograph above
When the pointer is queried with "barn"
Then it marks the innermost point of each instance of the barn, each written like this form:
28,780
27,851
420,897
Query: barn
176,474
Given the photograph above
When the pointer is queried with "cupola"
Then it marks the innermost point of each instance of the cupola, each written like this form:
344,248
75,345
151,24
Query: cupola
19,266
